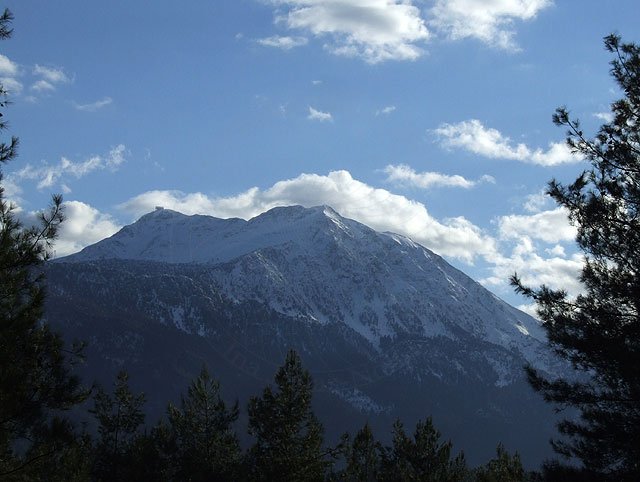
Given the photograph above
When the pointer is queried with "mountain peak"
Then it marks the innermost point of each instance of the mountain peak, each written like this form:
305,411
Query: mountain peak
170,236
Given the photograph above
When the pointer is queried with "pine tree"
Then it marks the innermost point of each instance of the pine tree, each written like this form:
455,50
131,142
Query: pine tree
206,447
36,384
599,331
363,457
422,458
119,419
504,468
288,435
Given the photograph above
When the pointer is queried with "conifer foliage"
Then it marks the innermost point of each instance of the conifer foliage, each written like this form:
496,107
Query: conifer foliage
35,372
201,430
599,331
119,417
289,441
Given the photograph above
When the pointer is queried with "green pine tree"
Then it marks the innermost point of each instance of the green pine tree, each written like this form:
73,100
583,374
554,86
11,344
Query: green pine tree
599,331
36,384
363,457
119,420
423,458
206,446
288,435
503,468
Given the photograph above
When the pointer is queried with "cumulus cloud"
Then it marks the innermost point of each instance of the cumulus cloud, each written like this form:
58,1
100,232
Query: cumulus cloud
7,66
8,73
11,85
319,115
373,30
549,226
474,137
403,174
536,202
488,21
517,247
283,42
526,259
534,246
456,237
83,225
93,106
48,175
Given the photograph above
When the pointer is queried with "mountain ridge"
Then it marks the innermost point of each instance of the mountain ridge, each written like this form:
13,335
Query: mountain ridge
387,327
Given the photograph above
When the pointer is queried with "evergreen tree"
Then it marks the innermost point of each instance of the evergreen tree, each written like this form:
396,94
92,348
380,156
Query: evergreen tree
36,384
206,447
363,457
599,331
288,435
424,458
119,419
504,468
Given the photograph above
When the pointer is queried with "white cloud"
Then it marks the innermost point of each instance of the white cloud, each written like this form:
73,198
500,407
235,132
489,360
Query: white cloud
384,211
558,250
42,86
378,208
374,30
536,202
47,175
530,309
316,82
549,226
488,21
54,75
7,67
534,269
386,110
550,266
116,156
49,78
403,174
604,116
11,85
319,115
83,225
93,106
472,136
283,42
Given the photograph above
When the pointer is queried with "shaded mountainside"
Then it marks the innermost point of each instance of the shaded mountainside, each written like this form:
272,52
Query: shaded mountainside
387,328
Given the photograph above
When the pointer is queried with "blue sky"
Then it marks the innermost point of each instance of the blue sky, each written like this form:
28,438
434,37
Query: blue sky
429,118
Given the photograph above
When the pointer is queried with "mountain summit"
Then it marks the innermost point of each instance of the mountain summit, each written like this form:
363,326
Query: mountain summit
387,327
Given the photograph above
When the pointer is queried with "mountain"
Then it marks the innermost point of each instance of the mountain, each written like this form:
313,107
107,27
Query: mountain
387,328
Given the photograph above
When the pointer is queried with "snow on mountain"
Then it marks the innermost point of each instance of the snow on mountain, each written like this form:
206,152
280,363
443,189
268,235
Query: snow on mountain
313,264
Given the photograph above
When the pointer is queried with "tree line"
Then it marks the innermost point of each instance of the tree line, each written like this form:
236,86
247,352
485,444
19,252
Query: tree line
598,332
196,441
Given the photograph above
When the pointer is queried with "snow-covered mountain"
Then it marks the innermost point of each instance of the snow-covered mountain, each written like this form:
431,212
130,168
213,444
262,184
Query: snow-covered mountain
387,327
